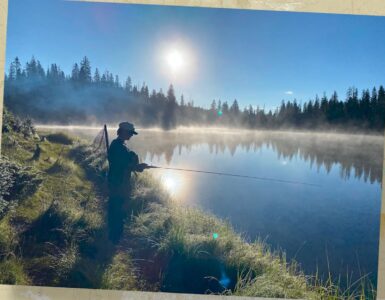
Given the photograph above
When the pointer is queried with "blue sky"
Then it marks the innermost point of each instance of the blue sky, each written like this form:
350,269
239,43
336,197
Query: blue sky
256,57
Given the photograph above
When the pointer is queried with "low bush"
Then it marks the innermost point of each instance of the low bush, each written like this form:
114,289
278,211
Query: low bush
12,123
60,138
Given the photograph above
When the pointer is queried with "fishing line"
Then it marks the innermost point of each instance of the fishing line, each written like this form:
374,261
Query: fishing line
214,173
239,176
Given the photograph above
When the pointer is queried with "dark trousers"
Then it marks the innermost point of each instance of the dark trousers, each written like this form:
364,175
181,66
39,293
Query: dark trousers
118,200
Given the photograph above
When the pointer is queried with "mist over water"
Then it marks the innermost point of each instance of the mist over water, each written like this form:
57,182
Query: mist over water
338,221
360,156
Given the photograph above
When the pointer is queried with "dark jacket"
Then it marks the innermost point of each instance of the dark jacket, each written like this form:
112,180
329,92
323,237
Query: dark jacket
122,163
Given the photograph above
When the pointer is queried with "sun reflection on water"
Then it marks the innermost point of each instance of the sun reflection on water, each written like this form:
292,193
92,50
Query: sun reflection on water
174,183
170,184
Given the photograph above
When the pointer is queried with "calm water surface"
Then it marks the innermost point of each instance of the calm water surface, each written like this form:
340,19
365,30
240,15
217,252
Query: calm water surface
337,222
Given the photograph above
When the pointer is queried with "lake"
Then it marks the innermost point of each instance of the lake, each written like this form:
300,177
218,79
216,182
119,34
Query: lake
330,227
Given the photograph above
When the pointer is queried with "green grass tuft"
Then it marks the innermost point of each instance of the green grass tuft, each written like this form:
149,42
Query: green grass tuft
120,274
12,272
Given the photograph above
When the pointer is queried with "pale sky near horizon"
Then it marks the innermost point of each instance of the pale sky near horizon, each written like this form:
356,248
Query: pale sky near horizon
257,57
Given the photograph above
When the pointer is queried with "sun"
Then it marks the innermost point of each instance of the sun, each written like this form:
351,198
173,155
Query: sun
176,60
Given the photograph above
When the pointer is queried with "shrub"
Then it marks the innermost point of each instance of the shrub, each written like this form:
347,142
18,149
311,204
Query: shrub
16,182
12,123
60,138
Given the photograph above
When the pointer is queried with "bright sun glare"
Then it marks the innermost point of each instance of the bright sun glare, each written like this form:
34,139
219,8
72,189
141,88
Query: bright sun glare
178,61
175,60
172,183
169,184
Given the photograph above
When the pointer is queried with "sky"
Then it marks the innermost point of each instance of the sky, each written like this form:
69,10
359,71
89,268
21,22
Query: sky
256,57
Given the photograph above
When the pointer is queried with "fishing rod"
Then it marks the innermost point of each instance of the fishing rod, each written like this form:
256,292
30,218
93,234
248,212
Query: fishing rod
105,135
236,175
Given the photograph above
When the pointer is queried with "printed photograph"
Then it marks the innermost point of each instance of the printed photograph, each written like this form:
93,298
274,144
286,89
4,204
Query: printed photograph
192,150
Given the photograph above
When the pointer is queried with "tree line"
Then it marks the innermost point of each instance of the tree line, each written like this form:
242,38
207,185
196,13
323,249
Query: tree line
51,96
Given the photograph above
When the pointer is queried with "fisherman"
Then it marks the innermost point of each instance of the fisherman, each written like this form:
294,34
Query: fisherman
122,163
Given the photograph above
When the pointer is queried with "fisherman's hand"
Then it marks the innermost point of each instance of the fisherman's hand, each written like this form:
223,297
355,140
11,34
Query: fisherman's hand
141,167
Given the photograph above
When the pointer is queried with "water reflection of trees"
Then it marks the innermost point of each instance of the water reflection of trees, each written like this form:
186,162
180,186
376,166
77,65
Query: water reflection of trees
357,155
360,156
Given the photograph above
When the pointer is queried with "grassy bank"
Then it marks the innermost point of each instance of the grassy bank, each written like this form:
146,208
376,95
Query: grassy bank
53,233
178,249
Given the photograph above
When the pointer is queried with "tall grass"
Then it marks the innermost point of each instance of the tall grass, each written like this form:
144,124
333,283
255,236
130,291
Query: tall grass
178,242
49,235
331,288
190,259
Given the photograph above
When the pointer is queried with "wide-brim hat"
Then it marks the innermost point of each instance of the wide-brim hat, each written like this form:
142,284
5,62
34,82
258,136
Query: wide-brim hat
128,127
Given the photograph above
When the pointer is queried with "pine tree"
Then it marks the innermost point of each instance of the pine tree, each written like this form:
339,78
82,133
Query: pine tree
352,105
317,106
128,84
117,83
364,107
18,69
97,78
31,68
153,95
325,104
213,106
380,109
12,72
169,113
234,109
212,112
135,91
144,91
225,108
219,107
336,111
53,73
110,80
171,94
39,70
75,73
103,80
85,71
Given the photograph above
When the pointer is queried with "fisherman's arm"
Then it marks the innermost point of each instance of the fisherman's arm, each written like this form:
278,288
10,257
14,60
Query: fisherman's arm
134,163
